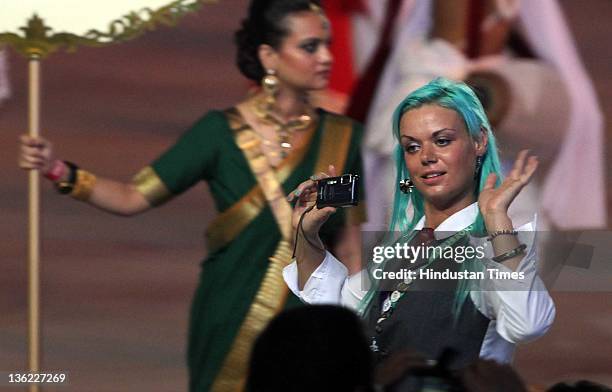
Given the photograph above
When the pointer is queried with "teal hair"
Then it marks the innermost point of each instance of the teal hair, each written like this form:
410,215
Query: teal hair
408,209
459,97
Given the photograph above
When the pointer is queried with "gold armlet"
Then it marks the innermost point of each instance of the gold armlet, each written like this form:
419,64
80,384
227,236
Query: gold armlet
84,185
150,185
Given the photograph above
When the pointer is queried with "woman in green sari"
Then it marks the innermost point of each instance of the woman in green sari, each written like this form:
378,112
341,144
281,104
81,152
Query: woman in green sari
251,156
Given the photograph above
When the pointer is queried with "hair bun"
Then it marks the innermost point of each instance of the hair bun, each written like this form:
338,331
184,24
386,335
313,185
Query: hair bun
264,24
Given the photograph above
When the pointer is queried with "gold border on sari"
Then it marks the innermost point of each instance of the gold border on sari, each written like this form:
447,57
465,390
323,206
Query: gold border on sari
334,151
227,225
269,301
334,144
272,293
250,144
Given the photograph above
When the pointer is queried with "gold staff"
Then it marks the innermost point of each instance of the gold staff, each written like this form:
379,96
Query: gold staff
37,42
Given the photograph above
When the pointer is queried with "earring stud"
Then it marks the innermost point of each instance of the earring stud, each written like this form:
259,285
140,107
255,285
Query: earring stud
406,185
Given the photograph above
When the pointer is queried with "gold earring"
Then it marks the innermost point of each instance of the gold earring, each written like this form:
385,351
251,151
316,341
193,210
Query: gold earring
269,85
315,8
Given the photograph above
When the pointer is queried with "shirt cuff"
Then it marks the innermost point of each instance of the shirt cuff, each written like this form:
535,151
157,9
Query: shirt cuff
521,306
520,279
324,285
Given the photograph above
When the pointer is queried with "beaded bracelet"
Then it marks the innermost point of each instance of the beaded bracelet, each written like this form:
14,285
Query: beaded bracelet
510,254
501,232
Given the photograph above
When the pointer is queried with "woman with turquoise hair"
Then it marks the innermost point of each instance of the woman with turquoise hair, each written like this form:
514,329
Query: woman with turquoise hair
471,284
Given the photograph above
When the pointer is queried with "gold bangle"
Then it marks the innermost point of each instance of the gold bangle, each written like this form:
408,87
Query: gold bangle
84,185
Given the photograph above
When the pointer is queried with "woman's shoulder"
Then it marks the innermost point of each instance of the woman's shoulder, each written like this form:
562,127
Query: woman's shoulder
214,116
209,131
212,123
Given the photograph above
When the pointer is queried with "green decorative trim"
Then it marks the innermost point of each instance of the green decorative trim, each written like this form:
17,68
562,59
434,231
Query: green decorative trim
39,40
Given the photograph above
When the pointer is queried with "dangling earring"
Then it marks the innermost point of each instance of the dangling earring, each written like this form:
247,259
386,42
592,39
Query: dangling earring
406,185
315,8
269,85
478,166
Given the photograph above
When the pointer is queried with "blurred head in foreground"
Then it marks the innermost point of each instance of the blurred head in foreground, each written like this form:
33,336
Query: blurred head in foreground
312,348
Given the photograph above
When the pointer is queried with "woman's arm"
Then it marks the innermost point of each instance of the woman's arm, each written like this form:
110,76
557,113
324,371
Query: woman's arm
494,203
521,306
307,221
118,198
348,248
518,302
108,195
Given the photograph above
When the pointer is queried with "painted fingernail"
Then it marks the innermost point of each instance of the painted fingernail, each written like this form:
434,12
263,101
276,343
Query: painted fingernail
297,193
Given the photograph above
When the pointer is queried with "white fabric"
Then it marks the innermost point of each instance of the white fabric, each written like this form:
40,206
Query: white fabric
570,183
519,310
415,60
428,59
368,25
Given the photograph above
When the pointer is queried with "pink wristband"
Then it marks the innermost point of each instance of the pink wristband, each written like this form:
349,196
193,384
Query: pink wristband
56,171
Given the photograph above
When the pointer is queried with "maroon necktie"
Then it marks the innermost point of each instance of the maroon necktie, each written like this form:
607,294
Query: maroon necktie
425,236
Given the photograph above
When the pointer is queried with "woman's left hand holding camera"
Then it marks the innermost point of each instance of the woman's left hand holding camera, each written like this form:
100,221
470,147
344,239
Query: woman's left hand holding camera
307,220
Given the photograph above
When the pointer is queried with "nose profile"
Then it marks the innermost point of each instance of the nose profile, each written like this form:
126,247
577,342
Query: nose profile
428,155
325,55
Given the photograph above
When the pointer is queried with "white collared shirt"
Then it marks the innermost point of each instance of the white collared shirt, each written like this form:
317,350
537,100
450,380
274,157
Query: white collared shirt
520,310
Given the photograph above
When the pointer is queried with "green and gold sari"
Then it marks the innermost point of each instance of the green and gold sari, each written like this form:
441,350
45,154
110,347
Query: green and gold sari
241,286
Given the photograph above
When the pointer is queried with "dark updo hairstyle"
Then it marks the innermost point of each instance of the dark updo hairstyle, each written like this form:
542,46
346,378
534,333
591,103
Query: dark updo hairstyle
264,24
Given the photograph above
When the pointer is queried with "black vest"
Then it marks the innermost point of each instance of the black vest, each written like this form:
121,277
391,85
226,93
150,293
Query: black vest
423,320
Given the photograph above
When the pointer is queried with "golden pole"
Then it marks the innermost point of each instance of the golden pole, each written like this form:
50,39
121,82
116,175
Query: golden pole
34,228
36,43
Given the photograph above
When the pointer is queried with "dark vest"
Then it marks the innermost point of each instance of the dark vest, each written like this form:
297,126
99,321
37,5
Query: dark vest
423,320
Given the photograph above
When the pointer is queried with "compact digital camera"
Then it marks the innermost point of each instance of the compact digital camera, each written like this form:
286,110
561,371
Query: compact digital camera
342,191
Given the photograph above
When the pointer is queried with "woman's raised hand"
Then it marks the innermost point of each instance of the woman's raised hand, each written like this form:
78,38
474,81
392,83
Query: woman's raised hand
494,202
35,153
306,195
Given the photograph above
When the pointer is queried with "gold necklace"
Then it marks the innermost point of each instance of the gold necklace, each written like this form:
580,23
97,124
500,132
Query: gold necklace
284,130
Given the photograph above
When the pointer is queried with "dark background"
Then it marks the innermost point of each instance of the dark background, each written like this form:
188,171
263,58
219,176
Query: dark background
116,291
